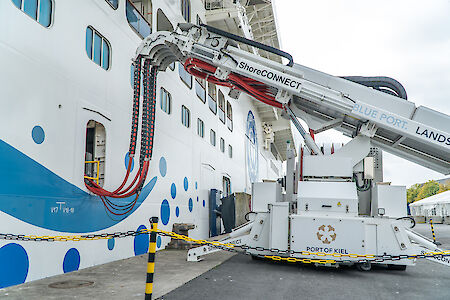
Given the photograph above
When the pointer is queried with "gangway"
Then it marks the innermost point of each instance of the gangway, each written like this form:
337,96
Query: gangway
320,213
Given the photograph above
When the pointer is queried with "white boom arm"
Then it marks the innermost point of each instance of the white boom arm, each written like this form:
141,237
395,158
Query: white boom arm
419,134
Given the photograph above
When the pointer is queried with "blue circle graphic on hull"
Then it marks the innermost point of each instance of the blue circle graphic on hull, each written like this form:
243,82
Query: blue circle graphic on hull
191,204
14,265
196,185
177,211
162,166
38,134
78,212
165,212
111,243
127,159
71,260
173,190
158,241
204,203
185,183
197,198
251,144
141,242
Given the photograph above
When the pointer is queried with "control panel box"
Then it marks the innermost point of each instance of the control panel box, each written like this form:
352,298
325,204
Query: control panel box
327,198
263,194
389,201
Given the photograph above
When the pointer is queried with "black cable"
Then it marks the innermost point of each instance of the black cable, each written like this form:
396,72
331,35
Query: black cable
250,43
382,83
246,215
410,218
367,184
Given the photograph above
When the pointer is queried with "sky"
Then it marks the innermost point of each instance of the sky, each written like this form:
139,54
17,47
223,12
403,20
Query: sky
408,40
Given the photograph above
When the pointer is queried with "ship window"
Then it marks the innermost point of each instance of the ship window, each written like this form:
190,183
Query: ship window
30,8
221,107
17,3
98,48
222,145
185,116
162,22
200,128
229,116
94,165
186,10
200,89
166,101
226,182
105,61
136,18
39,10
89,42
212,101
212,137
185,76
230,151
132,75
114,3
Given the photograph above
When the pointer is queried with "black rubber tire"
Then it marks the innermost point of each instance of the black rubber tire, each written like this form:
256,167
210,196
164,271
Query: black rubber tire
255,257
396,267
363,267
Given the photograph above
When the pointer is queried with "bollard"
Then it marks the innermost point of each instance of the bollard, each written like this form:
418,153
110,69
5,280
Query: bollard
151,259
432,231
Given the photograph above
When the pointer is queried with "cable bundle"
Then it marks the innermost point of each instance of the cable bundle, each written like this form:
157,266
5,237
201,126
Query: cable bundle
147,134
254,88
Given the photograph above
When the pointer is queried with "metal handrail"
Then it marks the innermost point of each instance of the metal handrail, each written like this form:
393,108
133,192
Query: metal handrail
97,178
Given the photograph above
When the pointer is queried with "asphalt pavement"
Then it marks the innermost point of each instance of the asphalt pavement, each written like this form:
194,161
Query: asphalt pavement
243,278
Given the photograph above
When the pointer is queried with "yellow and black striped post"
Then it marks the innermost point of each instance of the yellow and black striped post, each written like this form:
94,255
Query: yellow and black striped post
432,230
151,259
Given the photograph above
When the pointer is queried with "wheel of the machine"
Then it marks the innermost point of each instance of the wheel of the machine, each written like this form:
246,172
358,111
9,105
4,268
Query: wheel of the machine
364,267
397,267
256,257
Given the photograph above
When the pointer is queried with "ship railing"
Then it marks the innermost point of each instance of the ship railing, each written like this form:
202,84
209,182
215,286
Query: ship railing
89,169
220,4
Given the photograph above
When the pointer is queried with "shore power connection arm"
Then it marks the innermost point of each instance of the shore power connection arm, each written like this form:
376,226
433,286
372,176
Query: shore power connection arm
336,206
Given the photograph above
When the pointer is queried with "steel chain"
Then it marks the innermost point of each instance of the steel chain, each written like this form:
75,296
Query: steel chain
336,257
365,257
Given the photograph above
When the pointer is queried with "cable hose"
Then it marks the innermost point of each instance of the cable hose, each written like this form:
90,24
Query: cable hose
256,89
247,214
413,222
367,184
146,149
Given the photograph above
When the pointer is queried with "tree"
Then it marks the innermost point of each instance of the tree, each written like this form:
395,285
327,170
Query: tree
428,189
444,187
412,192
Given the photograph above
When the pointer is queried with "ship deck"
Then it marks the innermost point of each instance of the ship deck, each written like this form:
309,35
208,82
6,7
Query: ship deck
224,276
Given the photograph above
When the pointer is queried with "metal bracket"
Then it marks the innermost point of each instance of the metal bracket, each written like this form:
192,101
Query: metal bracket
368,129
401,239
283,96
221,74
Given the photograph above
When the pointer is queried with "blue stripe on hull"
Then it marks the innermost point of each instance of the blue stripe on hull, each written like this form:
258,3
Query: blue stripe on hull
30,192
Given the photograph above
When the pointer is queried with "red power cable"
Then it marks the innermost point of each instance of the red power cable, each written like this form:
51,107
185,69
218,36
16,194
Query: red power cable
197,68
258,90
148,119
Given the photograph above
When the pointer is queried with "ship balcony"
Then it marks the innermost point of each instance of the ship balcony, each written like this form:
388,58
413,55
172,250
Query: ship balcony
228,15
